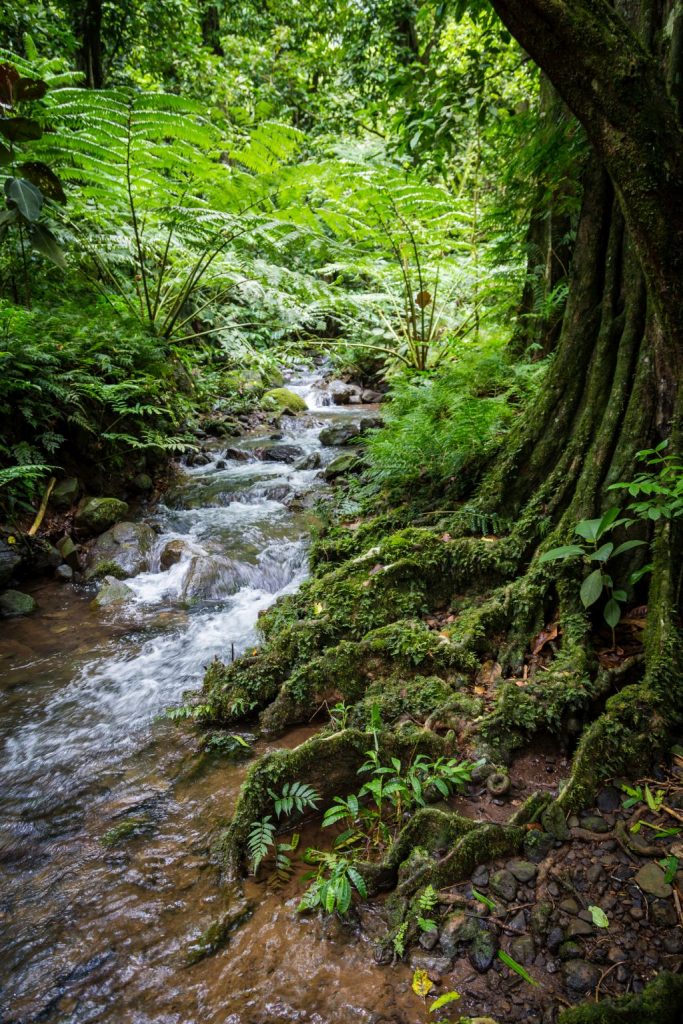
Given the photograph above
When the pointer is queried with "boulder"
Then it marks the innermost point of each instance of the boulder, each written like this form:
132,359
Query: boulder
65,493
97,514
68,552
173,552
111,592
369,397
142,483
370,423
13,604
284,401
310,461
208,578
343,464
339,434
282,453
10,559
122,551
238,454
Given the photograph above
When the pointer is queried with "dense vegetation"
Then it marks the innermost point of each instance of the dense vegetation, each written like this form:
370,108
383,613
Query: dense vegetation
199,195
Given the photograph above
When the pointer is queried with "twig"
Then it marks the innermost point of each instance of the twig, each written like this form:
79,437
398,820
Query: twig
677,901
604,975
674,814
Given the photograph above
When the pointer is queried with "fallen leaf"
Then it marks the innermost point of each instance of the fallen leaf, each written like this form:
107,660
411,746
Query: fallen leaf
422,986
545,636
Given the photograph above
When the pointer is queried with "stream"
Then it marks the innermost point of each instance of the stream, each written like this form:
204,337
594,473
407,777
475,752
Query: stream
90,932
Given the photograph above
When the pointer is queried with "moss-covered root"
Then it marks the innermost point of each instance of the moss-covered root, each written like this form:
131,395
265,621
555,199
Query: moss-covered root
661,1002
328,763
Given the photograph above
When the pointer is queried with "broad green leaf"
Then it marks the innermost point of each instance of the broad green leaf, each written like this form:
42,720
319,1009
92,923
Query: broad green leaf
628,545
24,197
607,521
44,241
444,1000
603,552
588,529
568,551
600,918
619,595
612,613
591,588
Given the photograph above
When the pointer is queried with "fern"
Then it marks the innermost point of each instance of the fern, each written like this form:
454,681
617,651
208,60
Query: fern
294,795
261,839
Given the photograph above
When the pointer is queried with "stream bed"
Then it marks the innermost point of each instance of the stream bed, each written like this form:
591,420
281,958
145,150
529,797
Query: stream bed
90,932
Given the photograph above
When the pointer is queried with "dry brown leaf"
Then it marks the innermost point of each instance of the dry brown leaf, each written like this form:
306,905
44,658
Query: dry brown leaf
545,636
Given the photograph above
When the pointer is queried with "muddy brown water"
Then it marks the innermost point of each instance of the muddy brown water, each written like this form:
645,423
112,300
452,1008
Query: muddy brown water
95,933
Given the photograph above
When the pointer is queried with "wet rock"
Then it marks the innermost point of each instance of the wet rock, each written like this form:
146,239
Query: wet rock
569,950
284,401
522,949
555,939
498,783
369,397
142,483
64,573
10,560
430,964
342,465
540,919
68,552
112,592
579,929
370,423
609,800
341,394
673,943
311,461
339,434
428,940
594,823
238,454
504,884
537,845
650,879
13,604
283,453
569,906
554,822
482,951
663,914
518,922
480,876
121,551
172,553
208,578
580,976
97,514
457,931
523,870
65,493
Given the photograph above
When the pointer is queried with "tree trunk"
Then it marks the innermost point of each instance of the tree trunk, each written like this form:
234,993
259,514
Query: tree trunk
90,32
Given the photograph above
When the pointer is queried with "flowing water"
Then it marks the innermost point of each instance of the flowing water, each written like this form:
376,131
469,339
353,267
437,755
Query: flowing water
96,933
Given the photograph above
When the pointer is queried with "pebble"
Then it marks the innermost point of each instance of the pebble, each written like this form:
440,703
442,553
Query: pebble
615,955
570,950
522,949
622,974
518,922
430,964
569,906
504,884
663,914
594,823
578,928
552,966
595,873
482,951
636,913
555,939
609,799
480,876
650,878
580,976
523,870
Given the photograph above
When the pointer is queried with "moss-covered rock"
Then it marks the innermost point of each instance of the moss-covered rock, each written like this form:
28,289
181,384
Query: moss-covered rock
122,551
95,515
65,493
112,592
14,603
284,401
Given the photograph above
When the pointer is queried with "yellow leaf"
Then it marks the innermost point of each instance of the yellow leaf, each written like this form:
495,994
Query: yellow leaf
11,540
318,608
422,986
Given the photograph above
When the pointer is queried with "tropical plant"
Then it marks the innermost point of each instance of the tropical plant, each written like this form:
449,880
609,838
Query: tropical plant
334,881
660,491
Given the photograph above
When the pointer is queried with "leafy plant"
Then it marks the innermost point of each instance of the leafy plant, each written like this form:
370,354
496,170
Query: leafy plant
261,838
294,796
335,880
426,902
660,491
601,550
670,867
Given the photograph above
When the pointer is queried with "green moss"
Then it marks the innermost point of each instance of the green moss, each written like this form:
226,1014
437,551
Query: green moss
126,830
661,1002
102,569
283,400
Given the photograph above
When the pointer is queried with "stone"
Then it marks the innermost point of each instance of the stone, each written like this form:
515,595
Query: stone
339,434
282,453
569,906
539,921
172,553
97,514
142,483
482,951
579,929
428,940
283,400
554,822
537,845
126,547
369,397
342,465
208,578
650,879
480,876
310,461
68,552
523,870
594,823
430,964
595,873
609,800
518,922
111,592
504,884
458,930
569,950
14,603
10,560
65,493
370,423
341,393
580,976
555,939
238,454
64,573
663,914
522,949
